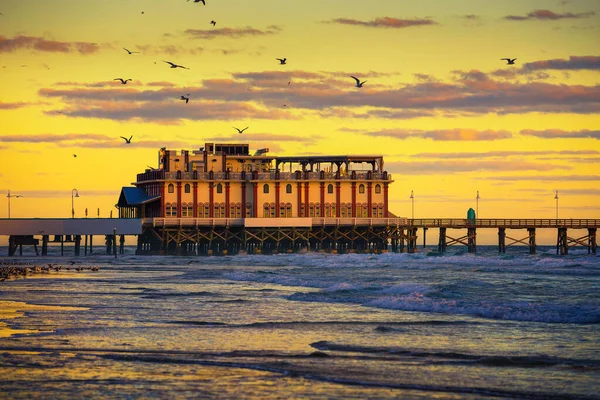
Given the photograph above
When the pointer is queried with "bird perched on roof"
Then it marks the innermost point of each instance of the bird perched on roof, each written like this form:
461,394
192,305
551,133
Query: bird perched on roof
182,97
130,52
123,81
213,22
240,130
509,60
127,141
281,61
359,84
173,65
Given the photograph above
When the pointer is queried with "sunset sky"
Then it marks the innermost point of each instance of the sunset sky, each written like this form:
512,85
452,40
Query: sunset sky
448,115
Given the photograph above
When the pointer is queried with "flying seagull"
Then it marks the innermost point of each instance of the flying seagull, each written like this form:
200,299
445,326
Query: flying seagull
127,141
240,130
213,22
75,155
182,97
130,52
509,60
175,65
281,61
359,84
123,81
198,1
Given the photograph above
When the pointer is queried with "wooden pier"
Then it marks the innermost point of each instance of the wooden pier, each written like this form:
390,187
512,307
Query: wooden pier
219,236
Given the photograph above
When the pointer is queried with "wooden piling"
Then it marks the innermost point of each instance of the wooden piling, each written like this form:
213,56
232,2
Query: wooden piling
532,245
442,240
592,245
472,240
562,245
501,240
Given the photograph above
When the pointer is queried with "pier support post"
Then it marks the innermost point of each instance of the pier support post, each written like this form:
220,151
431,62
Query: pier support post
108,241
91,248
122,244
592,246
412,240
62,245
472,240
442,240
114,240
11,246
531,232
85,245
45,239
77,245
562,245
501,240
424,236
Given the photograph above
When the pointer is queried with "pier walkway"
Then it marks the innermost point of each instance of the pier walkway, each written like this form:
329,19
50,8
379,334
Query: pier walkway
271,235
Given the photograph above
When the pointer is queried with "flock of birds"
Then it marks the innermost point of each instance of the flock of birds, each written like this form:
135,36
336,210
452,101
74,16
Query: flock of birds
21,270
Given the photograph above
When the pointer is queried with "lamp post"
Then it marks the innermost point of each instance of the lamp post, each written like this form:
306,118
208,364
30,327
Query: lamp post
412,200
477,205
74,193
556,198
8,196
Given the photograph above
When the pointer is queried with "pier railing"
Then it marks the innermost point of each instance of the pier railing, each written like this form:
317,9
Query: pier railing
503,223
208,222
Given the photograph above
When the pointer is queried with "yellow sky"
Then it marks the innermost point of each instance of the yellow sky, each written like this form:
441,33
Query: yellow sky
447,114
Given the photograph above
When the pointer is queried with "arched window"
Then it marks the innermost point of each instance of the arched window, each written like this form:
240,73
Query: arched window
248,210
378,188
288,188
219,188
221,210
343,210
288,210
266,210
365,211
361,188
200,210
186,188
380,210
171,188
282,209
330,188
265,188
238,210
272,209
327,210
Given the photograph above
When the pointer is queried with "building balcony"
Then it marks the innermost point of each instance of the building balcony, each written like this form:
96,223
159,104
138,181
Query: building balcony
161,175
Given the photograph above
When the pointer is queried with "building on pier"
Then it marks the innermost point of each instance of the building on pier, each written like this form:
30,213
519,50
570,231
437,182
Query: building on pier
226,183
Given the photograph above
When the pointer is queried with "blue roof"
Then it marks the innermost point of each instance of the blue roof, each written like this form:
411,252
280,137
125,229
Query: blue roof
134,196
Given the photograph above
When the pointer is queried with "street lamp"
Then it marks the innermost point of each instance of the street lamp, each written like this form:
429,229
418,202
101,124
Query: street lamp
74,193
412,200
556,198
477,205
8,196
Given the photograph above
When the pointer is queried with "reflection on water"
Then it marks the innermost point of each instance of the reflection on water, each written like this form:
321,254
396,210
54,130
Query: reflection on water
318,326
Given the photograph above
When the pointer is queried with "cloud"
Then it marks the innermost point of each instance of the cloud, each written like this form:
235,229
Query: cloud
547,15
268,137
234,33
505,154
573,63
37,43
89,140
11,106
452,166
547,178
384,22
443,134
561,134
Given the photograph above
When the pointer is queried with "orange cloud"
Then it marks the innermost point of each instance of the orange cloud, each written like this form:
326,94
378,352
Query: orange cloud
234,33
384,22
547,15
560,134
37,43
443,134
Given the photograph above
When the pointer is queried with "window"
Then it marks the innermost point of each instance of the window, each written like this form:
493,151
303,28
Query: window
327,210
333,210
378,188
200,210
266,188
330,188
343,210
272,209
187,188
365,211
219,188
216,210
221,210
248,210
288,210
361,188
282,209
171,188
288,188
266,210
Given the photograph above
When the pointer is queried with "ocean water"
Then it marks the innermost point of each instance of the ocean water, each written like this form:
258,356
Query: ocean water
312,325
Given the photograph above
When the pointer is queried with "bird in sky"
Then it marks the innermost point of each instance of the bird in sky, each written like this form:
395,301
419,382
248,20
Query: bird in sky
281,61
173,65
182,97
199,1
240,130
509,60
213,22
359,84
129,51
127,141
75,155
123,81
